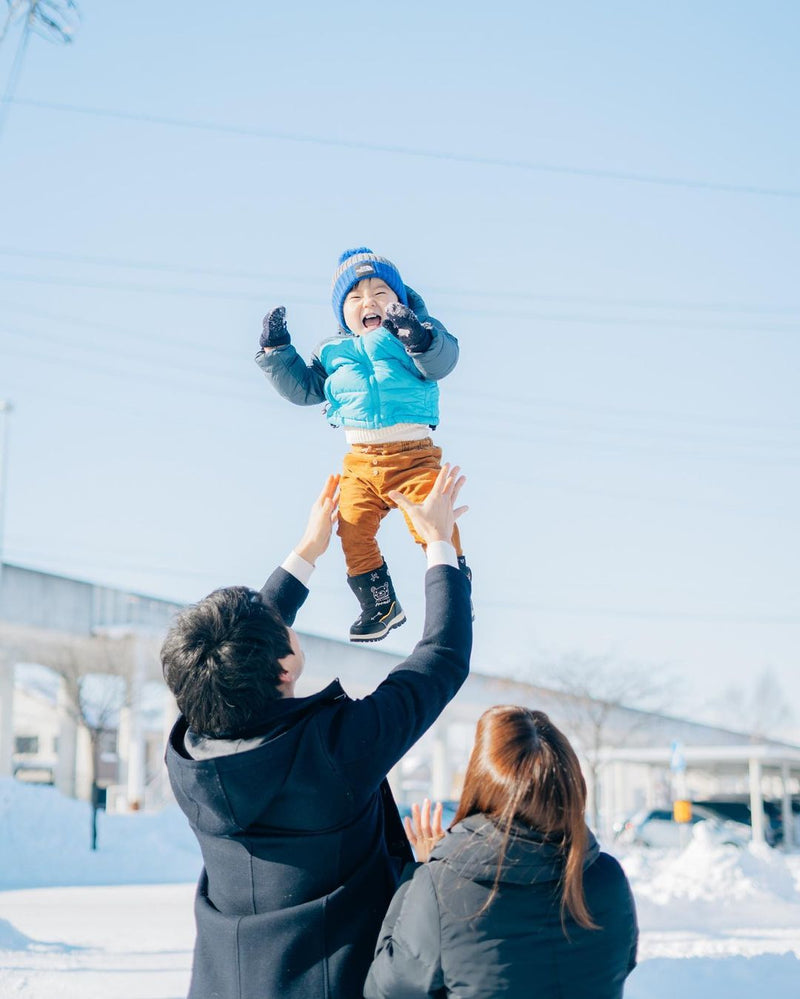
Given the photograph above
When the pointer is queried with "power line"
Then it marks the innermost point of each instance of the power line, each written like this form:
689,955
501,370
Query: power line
431,154
121,372
150,289
232,376
648,451
602,447
668,501
647,614
617,412
692,617
122,262
131,335
544,317
181,367
524,405
588,431
265,276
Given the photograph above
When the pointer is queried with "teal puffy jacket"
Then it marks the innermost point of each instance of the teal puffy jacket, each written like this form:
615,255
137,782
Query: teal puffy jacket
368,381
372,382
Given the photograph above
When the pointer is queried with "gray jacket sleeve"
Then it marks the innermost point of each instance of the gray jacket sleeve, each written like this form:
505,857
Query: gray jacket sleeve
300,383
407,963
442,355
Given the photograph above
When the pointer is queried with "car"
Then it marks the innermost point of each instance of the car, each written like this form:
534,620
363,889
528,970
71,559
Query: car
737,807
34,773
655,827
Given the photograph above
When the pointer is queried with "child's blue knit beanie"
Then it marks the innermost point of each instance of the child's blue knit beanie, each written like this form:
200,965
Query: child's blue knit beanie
356,265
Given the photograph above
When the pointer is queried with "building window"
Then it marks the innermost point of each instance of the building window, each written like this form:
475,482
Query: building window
107,743
26,744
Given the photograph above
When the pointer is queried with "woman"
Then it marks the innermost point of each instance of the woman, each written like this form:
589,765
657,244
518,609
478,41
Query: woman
517,899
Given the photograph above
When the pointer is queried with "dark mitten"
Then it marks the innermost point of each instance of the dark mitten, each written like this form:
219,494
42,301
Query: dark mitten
275,333
415,336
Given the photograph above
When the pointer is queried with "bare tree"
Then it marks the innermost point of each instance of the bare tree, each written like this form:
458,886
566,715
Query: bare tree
762,709
603,704
94,674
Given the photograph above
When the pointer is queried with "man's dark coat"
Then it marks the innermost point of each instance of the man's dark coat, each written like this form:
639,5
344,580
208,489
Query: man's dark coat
302,844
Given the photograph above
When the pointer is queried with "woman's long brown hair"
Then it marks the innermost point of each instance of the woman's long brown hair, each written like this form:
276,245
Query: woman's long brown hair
522,768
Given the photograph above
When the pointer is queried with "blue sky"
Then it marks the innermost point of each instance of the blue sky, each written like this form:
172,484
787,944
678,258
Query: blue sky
601,202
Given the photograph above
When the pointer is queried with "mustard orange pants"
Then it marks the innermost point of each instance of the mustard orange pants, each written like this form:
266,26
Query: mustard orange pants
371,471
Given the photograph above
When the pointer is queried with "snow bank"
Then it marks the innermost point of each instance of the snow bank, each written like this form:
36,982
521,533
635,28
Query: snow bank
716,978
707,871
45,841
716,922
12,939
713,900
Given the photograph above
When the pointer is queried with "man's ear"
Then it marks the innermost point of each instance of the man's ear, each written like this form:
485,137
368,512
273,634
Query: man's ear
286,680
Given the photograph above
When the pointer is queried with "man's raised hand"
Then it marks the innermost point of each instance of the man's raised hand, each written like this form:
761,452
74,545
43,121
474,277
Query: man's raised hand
434,518
317,535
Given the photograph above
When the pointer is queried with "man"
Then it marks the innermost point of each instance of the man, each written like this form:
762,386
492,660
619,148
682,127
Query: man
302,844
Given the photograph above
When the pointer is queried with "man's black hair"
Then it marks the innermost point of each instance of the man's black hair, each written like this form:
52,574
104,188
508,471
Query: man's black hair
220,660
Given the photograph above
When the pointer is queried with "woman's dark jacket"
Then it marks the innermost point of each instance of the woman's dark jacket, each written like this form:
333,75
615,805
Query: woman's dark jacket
302,844
436,941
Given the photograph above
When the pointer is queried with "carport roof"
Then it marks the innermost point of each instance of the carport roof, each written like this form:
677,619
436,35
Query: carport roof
769,755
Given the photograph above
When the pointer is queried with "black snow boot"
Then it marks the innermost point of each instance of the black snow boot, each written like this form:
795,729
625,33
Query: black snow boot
462,565
380,611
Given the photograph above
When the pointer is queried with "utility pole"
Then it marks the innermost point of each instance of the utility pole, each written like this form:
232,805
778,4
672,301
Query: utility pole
6,664
5,411
55,20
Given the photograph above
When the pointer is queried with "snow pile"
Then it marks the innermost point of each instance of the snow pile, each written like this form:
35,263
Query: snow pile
716,922
709,872
711,903
45,841
729,977
12,939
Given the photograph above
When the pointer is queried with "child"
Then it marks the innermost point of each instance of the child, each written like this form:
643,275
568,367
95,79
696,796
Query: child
378,379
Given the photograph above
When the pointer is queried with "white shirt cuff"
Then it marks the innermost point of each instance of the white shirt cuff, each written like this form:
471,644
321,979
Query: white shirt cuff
298,567
441,553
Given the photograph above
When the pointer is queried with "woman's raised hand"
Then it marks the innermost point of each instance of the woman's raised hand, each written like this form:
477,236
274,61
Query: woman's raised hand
424,828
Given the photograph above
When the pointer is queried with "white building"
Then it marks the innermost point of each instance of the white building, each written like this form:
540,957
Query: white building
79,629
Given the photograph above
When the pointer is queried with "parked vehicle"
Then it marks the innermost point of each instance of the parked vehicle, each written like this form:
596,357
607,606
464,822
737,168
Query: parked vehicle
655,827
34,773
737,808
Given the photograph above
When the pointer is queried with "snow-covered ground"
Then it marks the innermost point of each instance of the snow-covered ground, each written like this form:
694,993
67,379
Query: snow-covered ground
716,922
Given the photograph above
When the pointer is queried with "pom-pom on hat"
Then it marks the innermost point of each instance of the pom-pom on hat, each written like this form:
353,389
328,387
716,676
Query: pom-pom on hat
356,265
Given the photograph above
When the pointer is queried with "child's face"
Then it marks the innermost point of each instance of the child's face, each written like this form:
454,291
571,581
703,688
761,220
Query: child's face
366,304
